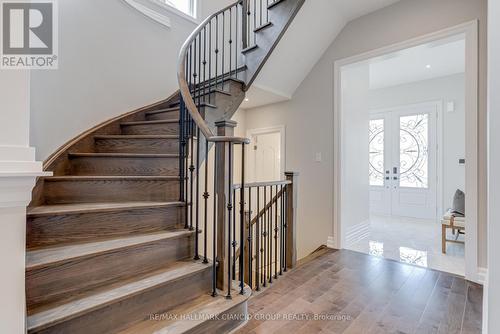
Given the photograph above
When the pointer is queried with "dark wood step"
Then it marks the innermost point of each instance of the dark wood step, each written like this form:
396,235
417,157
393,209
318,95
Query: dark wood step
124,164
63,273
162,127
120,307
193,316
275,3
250,48
163,114
147,144
200,105
262,27
51,225
99,189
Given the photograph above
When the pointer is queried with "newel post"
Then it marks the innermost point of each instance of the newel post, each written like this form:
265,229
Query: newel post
291,219
223,166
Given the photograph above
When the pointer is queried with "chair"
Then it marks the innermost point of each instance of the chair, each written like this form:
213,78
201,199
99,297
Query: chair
455,223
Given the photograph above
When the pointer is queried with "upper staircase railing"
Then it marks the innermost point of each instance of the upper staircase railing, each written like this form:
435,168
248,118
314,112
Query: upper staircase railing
222,57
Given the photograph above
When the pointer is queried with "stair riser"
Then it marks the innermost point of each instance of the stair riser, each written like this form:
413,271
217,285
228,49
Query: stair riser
117,316
96,191
145,146
87,227
151,129
57,282
140,166
167,115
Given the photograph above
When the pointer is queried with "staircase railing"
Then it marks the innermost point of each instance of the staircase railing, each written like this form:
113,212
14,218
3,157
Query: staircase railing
215,53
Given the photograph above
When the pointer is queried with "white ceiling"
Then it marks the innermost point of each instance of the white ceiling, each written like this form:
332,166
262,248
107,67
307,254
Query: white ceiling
313,30
422,62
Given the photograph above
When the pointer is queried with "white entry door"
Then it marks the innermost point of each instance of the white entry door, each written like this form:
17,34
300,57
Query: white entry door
403,162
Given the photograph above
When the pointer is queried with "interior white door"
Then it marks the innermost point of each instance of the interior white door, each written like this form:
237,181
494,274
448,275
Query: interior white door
266,156
404,141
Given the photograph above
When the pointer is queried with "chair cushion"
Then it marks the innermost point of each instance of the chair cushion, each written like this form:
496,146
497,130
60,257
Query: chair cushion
458,221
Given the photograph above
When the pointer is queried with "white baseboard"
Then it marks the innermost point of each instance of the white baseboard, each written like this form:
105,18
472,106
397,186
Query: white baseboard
357,232
482,275
330,243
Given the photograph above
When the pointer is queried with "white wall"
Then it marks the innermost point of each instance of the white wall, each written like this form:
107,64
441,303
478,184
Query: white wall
445,89
492,289
112,59
309,115
355,150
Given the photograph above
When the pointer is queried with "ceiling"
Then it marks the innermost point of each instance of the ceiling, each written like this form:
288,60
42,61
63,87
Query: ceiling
423,62
297,52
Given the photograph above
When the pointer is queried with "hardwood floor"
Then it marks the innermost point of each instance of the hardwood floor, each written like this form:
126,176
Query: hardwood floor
356,293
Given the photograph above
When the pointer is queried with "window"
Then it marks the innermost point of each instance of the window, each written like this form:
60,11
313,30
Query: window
185,6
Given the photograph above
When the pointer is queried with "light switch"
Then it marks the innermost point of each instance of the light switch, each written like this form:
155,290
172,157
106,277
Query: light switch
450,106
319,157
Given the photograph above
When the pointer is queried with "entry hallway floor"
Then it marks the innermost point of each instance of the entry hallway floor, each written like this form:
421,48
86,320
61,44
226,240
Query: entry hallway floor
413,241
350,292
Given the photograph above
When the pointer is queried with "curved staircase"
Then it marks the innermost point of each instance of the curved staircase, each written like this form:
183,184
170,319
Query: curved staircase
110,237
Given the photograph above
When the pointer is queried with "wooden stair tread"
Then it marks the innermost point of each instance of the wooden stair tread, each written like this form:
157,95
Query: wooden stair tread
191,314
38,258
159,111
163,121
64,209
136,137
110,178
250,48
275,3
75,308
263,26
122,155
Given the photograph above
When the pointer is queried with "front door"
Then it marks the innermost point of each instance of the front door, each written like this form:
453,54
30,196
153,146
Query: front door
403,162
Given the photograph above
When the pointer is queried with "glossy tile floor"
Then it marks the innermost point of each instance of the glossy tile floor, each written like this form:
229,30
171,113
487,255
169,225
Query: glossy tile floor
412,241
354,293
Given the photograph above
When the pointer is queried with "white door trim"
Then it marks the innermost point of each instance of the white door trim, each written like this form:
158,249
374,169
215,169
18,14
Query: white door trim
281,129
470,30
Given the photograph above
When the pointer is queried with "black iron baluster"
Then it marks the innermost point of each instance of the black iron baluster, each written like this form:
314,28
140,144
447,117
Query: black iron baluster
234,234
242,219
281,231
200,83
182,110
267,11
236,44
204,63
229,209
205,197
258,250
261,13
223,66
230,40
210,62
264,235
197,219
276,234
214,235
216,50
254,21
250,239
285,231
271,235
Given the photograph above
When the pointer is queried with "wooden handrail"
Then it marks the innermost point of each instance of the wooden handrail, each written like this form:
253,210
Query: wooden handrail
262,184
